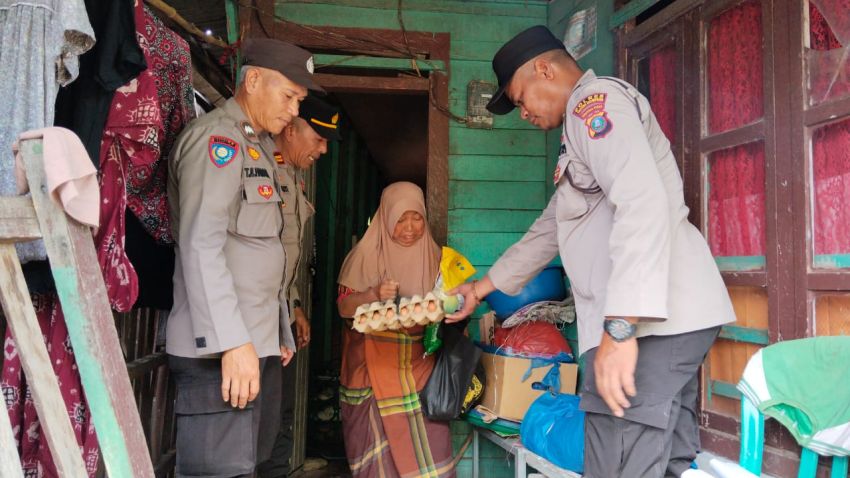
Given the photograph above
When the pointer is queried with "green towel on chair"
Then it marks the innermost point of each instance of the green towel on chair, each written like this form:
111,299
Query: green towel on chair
805,385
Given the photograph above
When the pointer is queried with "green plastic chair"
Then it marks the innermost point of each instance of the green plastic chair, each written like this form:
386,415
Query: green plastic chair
752,447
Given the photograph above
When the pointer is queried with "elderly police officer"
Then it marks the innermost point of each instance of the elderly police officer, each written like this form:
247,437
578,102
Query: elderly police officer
649,297
299,145
229,323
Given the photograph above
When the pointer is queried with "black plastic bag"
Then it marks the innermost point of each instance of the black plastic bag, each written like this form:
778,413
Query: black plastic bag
444,394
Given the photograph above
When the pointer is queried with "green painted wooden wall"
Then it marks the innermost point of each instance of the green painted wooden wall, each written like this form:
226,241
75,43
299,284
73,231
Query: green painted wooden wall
497,178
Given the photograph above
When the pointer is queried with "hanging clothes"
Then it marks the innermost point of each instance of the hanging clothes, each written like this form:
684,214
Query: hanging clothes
115,59
36,460
145,117
40,42
170,70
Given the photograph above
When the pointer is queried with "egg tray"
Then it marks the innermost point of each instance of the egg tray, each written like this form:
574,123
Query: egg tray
411,311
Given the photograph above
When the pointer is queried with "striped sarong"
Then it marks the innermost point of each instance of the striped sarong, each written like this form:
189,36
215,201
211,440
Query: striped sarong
386,434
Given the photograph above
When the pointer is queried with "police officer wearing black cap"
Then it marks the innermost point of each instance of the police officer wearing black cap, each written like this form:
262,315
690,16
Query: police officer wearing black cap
649,298
299,146
229,330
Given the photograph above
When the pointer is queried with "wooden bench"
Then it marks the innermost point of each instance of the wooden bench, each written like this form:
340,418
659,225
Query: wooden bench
523,457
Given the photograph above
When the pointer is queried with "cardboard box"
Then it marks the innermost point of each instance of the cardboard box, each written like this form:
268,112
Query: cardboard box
506,395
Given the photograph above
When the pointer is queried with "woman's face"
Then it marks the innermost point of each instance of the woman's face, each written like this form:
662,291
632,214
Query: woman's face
409,228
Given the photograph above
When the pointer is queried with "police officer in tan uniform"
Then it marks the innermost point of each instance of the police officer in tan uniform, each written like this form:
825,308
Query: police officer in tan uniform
299,146
649,297
228,330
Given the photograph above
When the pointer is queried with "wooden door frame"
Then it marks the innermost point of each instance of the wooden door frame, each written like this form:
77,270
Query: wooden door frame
259,20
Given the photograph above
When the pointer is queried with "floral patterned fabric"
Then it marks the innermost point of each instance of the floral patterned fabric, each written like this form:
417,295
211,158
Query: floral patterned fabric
145,117
35,454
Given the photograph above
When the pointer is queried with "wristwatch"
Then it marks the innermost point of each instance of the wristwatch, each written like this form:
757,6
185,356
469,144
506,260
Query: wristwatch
620,329
296,303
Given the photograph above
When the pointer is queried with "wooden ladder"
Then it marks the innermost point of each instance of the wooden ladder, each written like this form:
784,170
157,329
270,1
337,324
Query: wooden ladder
91,327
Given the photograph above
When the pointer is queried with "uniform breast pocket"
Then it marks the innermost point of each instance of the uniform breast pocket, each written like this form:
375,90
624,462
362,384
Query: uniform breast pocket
259,213
571,203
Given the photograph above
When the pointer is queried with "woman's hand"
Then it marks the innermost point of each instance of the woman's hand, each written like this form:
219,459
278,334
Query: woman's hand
386,290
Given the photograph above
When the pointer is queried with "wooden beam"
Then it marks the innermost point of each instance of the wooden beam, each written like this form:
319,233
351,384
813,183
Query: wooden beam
377,63
437,187
631,10
17,220
169,12
38,369
380,42
91,328
404,84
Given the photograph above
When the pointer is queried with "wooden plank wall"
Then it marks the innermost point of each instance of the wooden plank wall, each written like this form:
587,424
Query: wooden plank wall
497,178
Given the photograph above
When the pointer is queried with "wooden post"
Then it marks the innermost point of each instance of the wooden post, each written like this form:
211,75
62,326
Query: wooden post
91,328
10,465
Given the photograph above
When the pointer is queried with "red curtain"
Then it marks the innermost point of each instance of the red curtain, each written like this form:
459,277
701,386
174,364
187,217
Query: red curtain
831,143
662,90
736,213
735,68
736,202
831,167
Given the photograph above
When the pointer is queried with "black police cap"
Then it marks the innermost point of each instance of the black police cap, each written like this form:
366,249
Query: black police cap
291,61
515,53
321,116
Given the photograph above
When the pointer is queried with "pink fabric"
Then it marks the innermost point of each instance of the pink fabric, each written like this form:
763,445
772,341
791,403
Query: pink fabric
35,455
735,68
70,175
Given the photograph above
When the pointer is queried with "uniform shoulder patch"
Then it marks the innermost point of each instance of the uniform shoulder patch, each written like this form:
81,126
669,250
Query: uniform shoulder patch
591,110
223,150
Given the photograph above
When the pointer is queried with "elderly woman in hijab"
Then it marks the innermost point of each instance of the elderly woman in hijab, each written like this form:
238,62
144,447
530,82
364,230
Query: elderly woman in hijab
385,431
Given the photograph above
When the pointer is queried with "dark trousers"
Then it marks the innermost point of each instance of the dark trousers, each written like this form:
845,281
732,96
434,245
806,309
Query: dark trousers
279,463
659,435
214,439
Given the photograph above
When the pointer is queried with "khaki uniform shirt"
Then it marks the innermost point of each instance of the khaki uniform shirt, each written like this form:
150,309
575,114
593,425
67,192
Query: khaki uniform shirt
226,210
619,221
297,210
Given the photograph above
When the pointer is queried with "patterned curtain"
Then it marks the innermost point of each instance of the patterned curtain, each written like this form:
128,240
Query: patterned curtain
831,143
662,90
736,200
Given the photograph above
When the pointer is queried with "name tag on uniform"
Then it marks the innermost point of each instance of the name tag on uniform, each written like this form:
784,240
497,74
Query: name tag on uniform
255,173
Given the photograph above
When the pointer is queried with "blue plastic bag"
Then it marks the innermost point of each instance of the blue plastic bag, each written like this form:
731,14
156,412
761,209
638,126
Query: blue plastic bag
553,427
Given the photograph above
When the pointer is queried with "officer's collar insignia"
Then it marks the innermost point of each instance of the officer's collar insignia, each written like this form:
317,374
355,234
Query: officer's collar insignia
253,153
278,158
591,110
265,191
248,131
222,150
